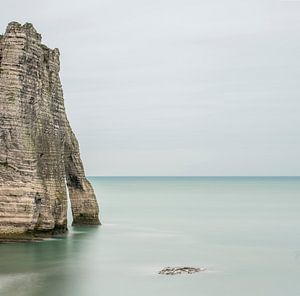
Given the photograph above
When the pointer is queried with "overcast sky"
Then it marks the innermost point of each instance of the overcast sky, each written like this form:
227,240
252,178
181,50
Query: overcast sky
174,87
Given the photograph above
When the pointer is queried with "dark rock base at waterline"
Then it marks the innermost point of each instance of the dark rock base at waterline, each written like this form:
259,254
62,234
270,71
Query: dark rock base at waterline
32,236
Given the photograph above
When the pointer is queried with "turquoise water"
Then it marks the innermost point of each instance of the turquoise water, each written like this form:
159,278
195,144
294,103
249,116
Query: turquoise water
245,231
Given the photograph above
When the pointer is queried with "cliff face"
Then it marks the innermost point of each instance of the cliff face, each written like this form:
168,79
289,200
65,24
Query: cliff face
39,154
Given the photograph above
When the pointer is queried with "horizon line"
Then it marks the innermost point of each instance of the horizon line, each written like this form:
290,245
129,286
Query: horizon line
194,176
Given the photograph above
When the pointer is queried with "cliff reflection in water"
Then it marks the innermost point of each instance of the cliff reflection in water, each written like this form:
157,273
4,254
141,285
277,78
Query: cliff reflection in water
43,268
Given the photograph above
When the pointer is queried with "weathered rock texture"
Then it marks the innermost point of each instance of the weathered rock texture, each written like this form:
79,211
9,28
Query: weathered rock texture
39,154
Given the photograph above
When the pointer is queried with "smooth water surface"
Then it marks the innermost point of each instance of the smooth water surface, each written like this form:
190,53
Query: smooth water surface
246,231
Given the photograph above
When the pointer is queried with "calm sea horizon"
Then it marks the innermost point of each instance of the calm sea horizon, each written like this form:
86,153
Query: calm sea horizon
244,230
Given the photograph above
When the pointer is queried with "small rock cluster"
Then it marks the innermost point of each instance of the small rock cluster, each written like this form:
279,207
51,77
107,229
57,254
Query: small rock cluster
180,270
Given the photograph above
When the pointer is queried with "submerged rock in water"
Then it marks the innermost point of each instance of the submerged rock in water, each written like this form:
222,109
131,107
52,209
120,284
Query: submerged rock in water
180,270
39,153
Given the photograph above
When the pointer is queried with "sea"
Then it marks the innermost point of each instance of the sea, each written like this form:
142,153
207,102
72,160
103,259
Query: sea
244,230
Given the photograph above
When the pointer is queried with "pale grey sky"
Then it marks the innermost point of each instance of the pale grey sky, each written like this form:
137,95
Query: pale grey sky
174,87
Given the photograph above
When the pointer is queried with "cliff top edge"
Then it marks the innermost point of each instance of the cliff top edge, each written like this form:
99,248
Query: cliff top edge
28,29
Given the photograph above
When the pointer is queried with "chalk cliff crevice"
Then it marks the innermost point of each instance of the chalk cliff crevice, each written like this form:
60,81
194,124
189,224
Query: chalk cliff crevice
39,153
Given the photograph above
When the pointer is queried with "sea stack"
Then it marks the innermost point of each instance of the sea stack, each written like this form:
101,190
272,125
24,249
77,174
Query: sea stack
39,153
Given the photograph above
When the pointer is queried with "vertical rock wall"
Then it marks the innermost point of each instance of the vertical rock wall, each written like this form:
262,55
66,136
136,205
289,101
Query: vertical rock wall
39,153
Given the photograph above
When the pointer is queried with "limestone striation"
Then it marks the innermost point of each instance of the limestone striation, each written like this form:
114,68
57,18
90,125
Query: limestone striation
39,153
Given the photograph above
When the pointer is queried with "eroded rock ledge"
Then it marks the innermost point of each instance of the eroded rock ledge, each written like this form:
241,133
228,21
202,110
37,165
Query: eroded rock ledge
39,154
